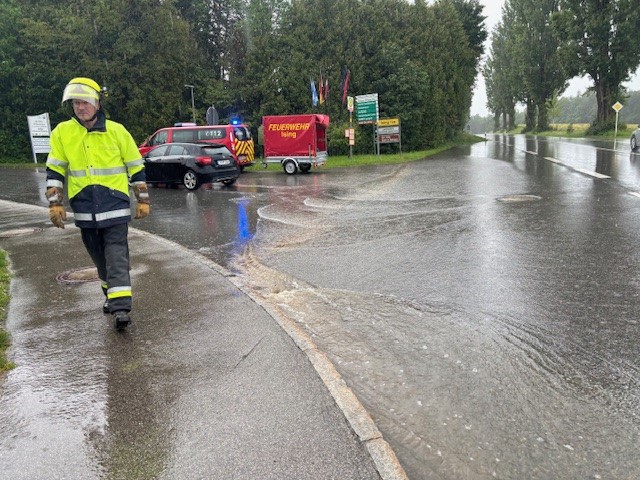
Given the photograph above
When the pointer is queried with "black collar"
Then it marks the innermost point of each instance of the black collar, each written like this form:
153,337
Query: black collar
99,126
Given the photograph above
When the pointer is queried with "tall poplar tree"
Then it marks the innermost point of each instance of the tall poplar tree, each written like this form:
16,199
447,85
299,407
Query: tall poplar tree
537,46
602,42
503,73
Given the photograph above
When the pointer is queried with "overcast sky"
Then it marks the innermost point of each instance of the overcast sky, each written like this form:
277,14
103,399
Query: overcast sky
493,12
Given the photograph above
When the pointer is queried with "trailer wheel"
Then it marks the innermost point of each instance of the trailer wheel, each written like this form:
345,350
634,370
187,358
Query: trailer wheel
304,167
289,167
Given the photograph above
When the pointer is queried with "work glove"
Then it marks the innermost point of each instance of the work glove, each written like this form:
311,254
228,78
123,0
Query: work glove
57,215
142,210
142,196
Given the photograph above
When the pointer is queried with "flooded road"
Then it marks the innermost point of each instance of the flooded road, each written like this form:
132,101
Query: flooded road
482,304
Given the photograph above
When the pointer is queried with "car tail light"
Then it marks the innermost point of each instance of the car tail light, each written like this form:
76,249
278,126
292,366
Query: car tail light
203,161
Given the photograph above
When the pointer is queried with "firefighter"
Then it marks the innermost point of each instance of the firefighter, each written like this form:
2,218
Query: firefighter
98,158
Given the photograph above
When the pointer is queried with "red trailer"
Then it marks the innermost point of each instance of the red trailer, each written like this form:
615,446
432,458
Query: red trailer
295,141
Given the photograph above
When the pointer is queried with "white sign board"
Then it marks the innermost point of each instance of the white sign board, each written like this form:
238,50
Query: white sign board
39,131
388,130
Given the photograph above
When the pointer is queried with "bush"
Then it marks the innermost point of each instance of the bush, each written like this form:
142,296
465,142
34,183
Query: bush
602,128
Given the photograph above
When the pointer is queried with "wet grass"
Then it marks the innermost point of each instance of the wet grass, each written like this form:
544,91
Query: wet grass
579,130
5,341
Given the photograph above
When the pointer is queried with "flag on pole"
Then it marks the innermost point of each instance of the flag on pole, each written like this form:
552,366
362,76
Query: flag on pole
326,90
321,88
344,84
314,93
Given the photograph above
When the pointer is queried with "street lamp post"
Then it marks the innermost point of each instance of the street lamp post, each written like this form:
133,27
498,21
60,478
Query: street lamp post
193,106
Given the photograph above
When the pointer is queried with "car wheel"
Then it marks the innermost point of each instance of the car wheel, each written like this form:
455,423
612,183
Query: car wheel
305,167
634,143
289,167
228,182
190,180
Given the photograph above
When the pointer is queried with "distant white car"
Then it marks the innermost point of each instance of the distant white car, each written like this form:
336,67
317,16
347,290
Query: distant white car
635,139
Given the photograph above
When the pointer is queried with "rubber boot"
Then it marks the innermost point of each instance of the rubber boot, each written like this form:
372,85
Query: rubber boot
121,320
105,307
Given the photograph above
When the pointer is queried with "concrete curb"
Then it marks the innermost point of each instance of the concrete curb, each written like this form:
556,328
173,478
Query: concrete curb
383,456
361,423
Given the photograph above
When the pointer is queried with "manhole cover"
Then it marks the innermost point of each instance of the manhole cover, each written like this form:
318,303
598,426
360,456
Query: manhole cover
519,198
19,231
78,275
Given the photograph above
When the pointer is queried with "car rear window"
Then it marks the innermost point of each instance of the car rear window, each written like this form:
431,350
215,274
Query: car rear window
216,150
178,150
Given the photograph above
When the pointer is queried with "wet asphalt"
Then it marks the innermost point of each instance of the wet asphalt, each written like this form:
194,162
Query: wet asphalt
481,304
205,384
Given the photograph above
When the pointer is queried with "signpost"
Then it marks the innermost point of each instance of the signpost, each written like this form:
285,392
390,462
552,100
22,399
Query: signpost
617,107
389,131
352,136
39,131
212,116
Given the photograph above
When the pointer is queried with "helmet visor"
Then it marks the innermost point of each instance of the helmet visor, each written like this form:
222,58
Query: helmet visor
82,92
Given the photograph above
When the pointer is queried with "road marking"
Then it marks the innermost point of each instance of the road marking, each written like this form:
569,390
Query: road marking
621,152
579,170
593,174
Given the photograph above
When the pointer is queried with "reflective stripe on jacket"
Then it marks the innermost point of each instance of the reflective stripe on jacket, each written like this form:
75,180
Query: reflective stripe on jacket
97,165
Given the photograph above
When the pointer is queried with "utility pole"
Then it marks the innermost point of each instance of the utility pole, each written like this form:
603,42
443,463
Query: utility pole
193,105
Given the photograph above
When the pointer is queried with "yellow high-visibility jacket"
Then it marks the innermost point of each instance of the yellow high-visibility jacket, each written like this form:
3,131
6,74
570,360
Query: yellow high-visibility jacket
98,165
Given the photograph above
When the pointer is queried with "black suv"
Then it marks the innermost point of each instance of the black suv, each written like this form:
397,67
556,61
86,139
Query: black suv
190,164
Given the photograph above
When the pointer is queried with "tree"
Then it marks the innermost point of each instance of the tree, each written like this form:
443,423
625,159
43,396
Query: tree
470,14
502,72
601,42
13,132
537,45
141,50
249,57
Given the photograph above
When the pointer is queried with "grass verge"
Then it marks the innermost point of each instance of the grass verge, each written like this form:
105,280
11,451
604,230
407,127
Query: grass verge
4,304
579,130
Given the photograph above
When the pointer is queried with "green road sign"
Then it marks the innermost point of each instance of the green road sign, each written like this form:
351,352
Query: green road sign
367,108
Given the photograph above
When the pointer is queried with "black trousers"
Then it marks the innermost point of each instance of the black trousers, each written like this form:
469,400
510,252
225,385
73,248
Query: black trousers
109,250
